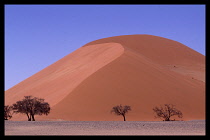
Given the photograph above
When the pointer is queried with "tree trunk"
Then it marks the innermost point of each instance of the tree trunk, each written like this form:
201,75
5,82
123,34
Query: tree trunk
33,119
29,118
167,119
124,117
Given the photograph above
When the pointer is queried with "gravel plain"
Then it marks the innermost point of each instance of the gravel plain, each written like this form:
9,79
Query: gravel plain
196,127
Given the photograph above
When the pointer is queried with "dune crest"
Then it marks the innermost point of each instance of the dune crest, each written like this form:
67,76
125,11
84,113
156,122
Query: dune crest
142,71
59,79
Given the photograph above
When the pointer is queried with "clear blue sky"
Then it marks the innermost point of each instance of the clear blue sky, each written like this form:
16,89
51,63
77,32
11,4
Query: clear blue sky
39,35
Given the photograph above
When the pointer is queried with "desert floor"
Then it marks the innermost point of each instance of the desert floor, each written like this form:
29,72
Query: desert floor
196,127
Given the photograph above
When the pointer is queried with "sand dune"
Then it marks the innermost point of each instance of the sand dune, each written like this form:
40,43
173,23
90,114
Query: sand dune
142,71
56,81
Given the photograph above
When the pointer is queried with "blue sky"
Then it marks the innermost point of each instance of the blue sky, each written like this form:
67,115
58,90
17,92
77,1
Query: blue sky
39,35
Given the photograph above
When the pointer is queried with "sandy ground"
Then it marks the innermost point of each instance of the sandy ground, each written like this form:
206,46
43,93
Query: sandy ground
196,127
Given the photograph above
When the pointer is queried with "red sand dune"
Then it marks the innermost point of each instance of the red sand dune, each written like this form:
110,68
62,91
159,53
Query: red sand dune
142,71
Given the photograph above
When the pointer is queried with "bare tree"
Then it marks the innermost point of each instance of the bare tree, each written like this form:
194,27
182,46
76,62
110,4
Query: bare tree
7,112
121,110
167,112
31,106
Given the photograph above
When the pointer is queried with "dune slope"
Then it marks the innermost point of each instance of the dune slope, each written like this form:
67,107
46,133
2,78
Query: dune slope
142,71
57,80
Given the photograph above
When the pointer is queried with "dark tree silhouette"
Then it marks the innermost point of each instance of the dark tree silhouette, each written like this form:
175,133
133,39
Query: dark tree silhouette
121,110
167,112
7,112
31,106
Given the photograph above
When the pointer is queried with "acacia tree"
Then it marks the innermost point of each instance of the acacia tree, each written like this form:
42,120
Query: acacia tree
167,112
7,112
121,110
31,106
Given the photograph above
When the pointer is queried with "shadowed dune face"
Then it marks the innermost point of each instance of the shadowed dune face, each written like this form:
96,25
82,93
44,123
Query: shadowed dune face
142,71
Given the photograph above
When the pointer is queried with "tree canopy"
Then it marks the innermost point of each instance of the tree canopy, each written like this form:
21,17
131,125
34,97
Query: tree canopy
31,106
7,112
167,112
121,110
